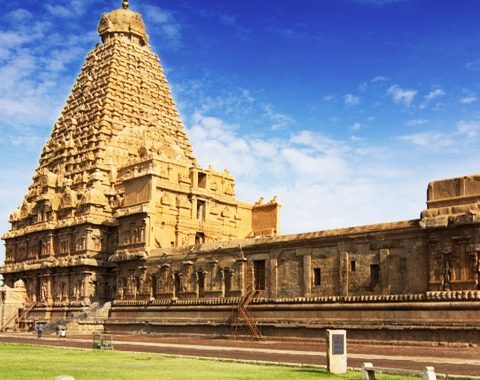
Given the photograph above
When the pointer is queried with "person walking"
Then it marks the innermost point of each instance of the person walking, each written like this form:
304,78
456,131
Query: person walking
39,330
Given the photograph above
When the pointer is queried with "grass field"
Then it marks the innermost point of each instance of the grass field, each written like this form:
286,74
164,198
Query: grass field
27,362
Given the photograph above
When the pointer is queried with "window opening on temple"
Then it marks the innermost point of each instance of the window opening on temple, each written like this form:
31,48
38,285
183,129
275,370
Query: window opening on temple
199,238
317,277
374,274
259,274
200,209
353,266
202,180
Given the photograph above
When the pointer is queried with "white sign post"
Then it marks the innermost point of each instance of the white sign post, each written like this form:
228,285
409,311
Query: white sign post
337,351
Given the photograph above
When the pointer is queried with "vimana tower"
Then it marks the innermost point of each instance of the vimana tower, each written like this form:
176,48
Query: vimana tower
117,181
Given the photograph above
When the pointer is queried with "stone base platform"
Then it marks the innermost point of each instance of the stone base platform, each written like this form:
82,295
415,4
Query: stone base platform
411,318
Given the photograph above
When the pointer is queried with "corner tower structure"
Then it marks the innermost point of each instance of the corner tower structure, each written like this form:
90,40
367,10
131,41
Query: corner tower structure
117,181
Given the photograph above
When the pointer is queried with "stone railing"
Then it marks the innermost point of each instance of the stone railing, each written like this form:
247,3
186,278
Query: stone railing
437,296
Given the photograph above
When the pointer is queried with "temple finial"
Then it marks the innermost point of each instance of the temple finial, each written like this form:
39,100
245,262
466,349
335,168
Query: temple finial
125,4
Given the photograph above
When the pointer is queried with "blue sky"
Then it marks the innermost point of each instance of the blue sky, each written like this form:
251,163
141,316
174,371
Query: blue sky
345,109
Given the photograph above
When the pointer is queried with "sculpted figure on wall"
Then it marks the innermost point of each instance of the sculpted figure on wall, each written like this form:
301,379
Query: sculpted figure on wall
447,273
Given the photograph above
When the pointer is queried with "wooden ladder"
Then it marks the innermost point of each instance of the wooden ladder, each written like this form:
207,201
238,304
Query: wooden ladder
243,317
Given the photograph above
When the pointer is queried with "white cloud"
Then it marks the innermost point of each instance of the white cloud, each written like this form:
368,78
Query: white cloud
59,10
318,179
473,65
67,8
278,119
468,99
470,129
164,22
434,94
464,134
351,100
20,15
415,122
356,127
362,87
431,139
379,78
401,95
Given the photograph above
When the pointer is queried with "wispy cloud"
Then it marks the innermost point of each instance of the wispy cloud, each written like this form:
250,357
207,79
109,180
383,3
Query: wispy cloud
473,65
434,94
67,8
351,100
301,166
163,23
415,122
379,78
401,95
465,133
59,10
433,140
278,119
470,129
356,126
468,99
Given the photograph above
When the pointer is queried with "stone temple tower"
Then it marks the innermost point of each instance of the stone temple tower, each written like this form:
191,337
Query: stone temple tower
117,180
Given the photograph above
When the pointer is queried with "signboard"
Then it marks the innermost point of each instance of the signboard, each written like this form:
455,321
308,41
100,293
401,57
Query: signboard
338,344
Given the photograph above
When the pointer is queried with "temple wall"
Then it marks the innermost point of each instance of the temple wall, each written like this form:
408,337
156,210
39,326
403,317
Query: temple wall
377,260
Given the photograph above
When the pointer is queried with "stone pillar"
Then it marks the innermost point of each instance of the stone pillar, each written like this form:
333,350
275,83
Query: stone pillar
251,273
307,275
33,289
85,288
241,266
145,233
50,245
194,208
88,239
273,283
48,285
119,291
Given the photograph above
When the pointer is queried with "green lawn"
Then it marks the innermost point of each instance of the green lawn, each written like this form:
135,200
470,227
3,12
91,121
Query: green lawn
27,362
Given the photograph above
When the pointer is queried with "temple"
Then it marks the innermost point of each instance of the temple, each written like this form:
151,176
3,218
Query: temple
120,217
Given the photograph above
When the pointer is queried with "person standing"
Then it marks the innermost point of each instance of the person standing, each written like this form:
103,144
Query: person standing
39,330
